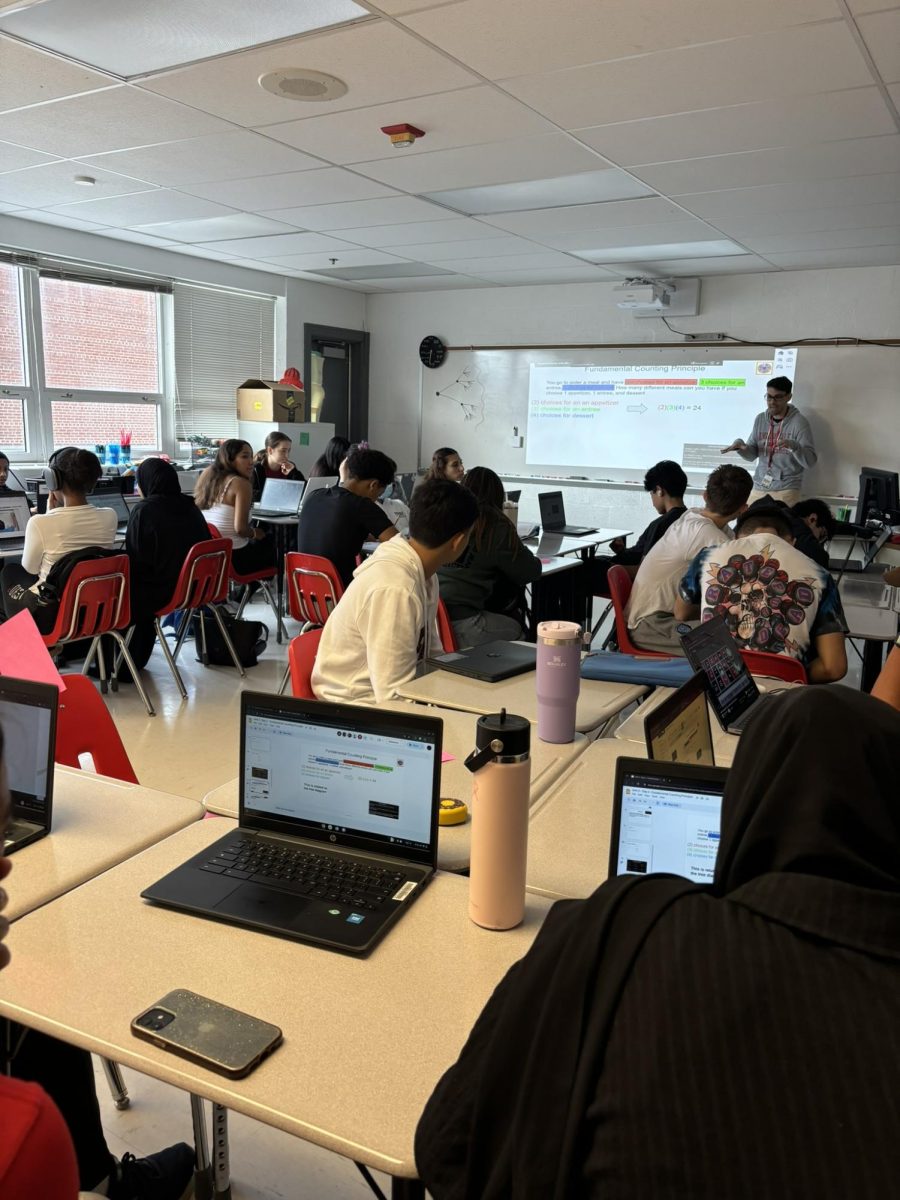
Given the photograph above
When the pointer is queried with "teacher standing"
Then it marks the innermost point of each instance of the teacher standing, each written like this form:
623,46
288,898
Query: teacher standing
782,443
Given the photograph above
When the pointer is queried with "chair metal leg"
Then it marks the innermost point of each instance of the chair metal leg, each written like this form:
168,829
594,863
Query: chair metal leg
279,624
101,663
176,674
600,620
89,658
284,679
125,653
203,1182
183,630
226,637
118,663
242,603
113,1073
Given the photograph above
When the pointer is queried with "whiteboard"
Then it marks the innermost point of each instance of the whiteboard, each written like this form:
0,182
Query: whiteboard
476,398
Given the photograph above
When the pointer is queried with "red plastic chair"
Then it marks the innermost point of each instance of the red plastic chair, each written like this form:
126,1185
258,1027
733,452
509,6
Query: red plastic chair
84,726
301,660
96,601
778,666
263,578
445,628
203,583
313,589
619,582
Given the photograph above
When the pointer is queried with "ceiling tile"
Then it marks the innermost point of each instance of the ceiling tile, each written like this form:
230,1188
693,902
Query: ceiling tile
281,244
881,33
331,185
857,7
788,121
812,220
574,274
830,239
479,248
218,156
211,229
113,119
721,73
587,188
508,262
145,208
41,187
472,166
461,118
862,256
829,193
134,39
394,210
142,239
398,270
30,76
430,283
17,158
500,38
320,260
665,250
824,160
731,265
47,218
615,214
228,87
420,232
688,230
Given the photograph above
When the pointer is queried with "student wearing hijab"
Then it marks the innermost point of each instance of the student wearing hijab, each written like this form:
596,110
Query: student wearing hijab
740,1039
161,531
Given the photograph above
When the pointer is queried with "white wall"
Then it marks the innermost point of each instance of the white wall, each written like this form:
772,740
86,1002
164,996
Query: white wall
852,395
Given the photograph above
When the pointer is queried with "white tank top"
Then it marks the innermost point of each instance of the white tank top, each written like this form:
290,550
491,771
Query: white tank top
222,516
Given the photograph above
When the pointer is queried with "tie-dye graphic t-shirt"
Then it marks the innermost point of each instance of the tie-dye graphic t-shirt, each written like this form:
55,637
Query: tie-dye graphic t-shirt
772,597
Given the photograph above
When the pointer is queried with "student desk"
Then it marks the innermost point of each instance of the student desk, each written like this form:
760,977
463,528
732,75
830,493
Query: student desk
548,762
281,525
97,824
366,1039
870,620
568,837
564,598
597,702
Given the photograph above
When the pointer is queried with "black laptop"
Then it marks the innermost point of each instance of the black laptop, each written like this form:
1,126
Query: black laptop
15,514
491,661
666,819
337,827
553,516
280,498
28,719
731,689
115,501
678,729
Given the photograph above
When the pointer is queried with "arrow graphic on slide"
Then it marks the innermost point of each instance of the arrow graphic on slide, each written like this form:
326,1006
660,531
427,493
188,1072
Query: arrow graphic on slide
638,408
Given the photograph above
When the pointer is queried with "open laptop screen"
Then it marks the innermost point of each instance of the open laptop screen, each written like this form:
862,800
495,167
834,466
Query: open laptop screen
710,648
322,770
28,720
14,514
113,500
282,495
553,513
666,819
678,729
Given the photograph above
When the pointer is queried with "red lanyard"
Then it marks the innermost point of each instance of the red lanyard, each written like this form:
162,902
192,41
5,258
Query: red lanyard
772,439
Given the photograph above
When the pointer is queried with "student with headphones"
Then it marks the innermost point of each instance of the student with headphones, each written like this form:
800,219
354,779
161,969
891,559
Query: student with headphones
69,523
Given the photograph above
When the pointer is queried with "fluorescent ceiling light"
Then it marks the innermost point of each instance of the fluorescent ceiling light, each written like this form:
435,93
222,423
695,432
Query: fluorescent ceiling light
588,187
660,251
136,39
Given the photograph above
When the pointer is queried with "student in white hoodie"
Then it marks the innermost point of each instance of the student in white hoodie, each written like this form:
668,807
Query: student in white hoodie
385,622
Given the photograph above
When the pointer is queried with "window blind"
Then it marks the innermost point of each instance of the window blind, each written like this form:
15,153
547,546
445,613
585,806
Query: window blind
221,339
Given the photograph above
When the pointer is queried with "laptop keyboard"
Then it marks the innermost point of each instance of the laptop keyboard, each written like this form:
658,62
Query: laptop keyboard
319,876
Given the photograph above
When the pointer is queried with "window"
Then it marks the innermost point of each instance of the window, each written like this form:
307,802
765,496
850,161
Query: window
93,424
221,339
12,423
100,338
12,344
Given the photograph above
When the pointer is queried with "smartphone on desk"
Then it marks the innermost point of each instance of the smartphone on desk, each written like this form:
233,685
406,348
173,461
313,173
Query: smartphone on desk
217,1037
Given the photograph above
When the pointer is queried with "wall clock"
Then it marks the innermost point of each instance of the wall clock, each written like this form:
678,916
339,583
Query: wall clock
432,351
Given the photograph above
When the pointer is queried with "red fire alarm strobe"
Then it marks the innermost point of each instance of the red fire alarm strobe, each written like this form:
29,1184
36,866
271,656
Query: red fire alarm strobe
402,135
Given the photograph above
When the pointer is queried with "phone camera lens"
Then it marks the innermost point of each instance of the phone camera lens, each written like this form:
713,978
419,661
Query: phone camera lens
156,1018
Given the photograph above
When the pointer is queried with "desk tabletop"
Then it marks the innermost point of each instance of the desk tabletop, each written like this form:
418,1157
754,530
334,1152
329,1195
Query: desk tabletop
568,837
548,762
366,1039
597,701
551,543
97,823
632,729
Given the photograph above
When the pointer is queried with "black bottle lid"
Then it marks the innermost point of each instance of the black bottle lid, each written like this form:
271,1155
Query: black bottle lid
500,737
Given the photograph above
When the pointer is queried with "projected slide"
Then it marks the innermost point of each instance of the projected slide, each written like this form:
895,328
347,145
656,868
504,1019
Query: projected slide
632,416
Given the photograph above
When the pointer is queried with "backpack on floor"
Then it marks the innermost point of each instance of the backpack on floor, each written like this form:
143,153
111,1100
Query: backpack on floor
249,639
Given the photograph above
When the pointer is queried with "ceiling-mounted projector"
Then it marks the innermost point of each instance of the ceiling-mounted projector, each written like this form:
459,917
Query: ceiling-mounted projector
646,294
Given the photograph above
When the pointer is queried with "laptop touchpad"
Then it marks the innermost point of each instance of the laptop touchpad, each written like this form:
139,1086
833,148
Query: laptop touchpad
255,903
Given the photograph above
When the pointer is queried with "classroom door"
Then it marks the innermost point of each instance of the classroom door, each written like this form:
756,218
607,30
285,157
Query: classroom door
339,358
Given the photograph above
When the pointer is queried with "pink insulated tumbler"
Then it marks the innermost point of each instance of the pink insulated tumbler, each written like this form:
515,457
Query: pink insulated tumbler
558,679
501,770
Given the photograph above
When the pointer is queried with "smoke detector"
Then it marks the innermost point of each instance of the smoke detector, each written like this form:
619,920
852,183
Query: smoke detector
402,136
298,83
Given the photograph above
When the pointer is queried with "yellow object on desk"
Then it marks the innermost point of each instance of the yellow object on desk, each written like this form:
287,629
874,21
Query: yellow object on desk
452,812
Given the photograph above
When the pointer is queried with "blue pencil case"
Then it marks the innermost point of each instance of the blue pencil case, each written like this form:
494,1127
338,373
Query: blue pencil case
630,668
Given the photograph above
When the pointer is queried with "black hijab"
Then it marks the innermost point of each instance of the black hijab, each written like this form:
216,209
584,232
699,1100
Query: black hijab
156,478
810,810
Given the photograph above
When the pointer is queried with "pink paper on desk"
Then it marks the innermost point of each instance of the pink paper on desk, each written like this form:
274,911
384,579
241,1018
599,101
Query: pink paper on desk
445,757
23,654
